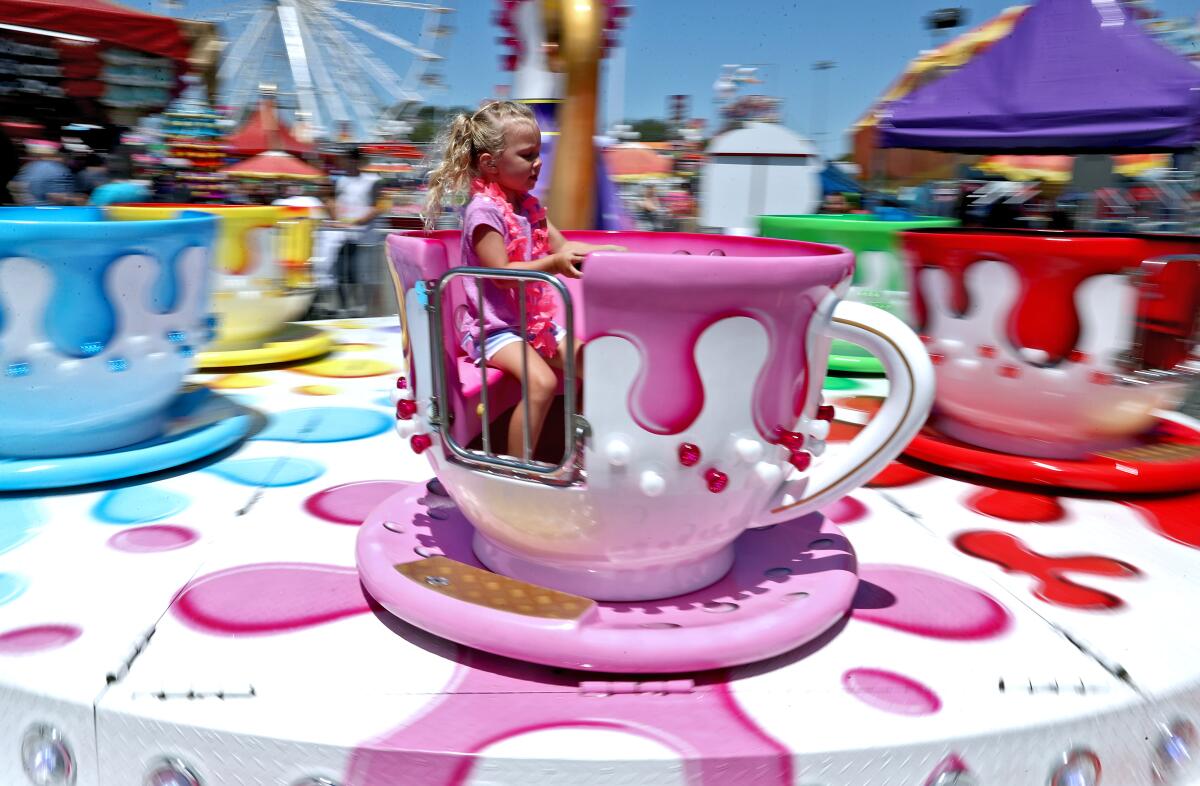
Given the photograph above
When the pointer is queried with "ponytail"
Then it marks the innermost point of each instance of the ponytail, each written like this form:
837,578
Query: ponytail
460,145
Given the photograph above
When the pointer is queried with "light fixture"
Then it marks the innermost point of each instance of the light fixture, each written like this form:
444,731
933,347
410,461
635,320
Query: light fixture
47,758
1079,768
1174,753
172,772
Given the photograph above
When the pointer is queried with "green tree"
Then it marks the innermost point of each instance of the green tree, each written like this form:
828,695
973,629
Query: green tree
651,130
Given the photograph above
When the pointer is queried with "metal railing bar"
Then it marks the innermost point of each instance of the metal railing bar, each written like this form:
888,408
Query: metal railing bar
525,452
481,324
544,471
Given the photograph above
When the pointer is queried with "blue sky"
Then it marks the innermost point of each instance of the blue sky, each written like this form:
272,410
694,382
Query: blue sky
679,46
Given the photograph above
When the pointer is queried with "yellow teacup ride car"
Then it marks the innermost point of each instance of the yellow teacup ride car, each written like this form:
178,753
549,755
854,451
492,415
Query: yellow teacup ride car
263,282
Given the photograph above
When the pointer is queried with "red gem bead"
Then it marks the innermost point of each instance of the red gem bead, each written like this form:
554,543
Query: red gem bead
1012,372
717,480
825,412
401,383
791,440
986,351
420,442
936,358
1075,356
1100,378
800,459
405,409
689,454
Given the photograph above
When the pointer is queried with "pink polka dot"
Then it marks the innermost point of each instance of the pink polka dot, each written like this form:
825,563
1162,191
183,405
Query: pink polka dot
350,503
846,510
269,598
159,537
891,692
926,604
37,638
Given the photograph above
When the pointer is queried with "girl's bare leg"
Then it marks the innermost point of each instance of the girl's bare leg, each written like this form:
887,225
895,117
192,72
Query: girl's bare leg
539,389
557,360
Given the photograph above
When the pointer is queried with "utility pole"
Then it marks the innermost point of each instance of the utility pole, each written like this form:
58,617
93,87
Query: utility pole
820,97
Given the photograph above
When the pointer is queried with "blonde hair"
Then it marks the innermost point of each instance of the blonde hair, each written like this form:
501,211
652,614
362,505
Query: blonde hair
461,144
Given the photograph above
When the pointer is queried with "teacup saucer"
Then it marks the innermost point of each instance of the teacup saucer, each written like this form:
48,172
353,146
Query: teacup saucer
1166,460
200,424
789,584
292,342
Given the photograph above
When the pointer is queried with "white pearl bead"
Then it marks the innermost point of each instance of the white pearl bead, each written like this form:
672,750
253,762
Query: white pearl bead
815,447
652,483
769,473
818,429
405,428
618,452
750,450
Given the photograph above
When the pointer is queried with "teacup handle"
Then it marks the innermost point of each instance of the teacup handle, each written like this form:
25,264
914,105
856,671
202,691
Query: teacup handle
910,396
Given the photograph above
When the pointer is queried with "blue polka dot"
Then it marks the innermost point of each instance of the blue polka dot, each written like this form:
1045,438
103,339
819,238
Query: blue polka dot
12,586
20,520
274,472
139,504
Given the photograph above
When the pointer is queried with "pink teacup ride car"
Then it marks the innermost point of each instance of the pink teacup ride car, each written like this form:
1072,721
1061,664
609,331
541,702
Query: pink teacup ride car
701,427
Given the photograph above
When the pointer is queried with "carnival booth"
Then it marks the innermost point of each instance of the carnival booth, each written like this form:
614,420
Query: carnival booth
264,131
761,168
97,61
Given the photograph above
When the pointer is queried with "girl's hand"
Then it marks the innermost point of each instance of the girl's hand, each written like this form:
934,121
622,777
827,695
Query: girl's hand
587,248
564,263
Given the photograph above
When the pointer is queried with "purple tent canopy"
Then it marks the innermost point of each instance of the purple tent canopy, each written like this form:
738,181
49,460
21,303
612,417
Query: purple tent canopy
1072,76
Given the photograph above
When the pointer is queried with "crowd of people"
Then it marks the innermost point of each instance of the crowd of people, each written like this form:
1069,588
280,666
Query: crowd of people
349,207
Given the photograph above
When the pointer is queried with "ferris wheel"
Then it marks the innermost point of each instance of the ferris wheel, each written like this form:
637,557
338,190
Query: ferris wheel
341,66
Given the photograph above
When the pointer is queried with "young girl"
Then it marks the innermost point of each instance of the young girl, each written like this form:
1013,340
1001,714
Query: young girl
495,153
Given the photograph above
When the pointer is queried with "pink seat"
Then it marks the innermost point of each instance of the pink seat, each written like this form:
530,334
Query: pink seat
425,256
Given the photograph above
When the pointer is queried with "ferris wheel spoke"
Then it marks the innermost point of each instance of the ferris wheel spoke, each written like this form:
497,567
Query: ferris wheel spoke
245,44
434,7
431,30
369,63
382,35
298,60
327,91
246,84
351,72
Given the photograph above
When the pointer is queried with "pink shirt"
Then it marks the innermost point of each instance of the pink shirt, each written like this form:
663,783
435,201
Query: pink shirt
500,308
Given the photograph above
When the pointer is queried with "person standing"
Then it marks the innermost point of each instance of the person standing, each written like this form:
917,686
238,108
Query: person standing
44,179
357,207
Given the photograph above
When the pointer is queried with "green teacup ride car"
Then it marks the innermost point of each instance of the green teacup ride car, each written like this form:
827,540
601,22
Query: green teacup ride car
879,277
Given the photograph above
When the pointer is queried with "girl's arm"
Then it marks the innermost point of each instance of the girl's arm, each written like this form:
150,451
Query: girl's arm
560,243
489,247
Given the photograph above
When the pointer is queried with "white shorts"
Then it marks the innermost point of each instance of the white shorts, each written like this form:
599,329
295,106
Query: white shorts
502,338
